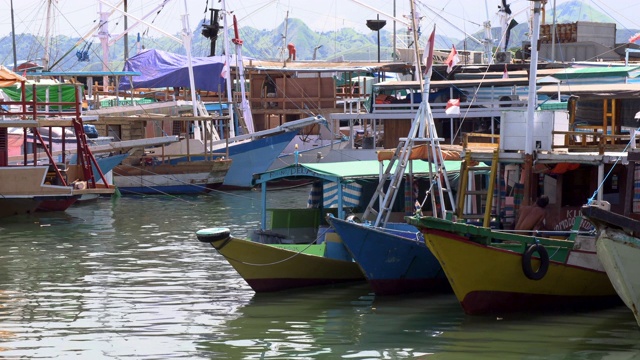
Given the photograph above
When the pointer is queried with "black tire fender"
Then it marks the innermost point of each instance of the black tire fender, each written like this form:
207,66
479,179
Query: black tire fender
527,267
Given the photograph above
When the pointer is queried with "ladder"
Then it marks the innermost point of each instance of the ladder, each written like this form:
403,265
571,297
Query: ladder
85,157
237,109
208,125
465,188
422,131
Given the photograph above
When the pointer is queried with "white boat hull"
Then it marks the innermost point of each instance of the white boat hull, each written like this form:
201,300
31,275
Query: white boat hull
619,253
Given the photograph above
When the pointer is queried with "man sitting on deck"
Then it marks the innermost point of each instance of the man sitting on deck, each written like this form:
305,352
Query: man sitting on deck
532,217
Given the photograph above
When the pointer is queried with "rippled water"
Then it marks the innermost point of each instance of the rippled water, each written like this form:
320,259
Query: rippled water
127,278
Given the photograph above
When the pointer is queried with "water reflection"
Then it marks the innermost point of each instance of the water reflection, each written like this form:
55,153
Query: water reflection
127,278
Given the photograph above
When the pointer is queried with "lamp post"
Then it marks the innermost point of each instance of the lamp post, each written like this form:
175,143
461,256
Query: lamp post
315,50
376,25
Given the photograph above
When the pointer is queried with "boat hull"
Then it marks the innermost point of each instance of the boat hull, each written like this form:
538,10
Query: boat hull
193,177
487,279
57,203
269,268
253,157
394,260
619,253
18,206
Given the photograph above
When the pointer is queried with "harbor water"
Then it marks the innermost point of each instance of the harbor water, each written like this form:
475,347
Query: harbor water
126,278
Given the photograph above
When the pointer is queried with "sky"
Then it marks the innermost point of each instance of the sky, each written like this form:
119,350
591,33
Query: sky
452,18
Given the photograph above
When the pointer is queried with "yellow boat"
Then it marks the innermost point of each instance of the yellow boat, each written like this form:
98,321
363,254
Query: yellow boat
494,272
276,267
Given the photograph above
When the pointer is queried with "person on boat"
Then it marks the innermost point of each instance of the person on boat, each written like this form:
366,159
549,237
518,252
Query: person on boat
532,217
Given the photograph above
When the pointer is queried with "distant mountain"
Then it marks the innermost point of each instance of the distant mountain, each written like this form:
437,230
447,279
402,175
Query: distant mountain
567,12
344,44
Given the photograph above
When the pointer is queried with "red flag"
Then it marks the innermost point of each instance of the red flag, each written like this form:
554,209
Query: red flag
452,59
634,37
427,56
505,74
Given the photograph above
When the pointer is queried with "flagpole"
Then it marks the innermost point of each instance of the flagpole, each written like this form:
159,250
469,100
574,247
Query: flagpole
13,36
414,26
531,104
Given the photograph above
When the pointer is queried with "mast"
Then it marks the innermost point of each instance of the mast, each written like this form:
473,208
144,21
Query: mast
488,38
532,101
45,58
126,33
227,64
553,34
13,37
395,54
246,108
103,35
186,40
284,36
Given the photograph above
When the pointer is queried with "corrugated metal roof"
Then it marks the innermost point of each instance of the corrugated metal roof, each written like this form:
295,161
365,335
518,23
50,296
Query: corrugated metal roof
323,66
594,91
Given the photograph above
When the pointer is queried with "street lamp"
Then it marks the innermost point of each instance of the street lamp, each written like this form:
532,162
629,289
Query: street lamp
315,50
376,25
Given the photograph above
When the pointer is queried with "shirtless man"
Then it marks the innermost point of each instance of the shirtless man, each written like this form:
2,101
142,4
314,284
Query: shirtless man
532,217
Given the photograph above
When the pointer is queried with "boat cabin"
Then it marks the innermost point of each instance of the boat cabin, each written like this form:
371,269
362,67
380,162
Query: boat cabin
342,189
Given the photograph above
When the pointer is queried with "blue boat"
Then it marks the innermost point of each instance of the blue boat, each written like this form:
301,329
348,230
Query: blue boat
254,157
394,259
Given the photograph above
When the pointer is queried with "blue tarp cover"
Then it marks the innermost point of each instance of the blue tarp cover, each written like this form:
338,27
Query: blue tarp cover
164,69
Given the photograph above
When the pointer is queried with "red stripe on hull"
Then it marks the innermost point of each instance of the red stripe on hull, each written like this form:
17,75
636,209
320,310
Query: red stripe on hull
272,285
494,302
400,286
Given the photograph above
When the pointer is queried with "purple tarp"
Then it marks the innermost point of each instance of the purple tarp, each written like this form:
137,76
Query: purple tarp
164,69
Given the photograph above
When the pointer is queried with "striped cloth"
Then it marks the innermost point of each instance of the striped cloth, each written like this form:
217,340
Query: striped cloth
636,190
350,194
315,195
410,195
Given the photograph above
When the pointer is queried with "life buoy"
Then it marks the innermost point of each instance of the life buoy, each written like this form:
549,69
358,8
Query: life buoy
527,267
213,234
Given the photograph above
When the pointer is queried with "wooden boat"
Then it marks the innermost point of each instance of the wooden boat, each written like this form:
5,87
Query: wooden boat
279,255
492,271
275,267
42,183
156,177
618,248
494,266
394,258
24,190
392,255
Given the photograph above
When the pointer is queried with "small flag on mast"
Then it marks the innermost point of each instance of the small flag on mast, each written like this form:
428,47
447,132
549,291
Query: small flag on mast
427,56
453,107
452,59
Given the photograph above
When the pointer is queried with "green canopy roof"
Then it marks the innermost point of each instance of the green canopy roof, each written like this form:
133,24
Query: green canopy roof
344,171
597,71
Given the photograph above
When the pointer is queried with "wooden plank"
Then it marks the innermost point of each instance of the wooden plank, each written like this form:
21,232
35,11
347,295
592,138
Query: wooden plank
602,217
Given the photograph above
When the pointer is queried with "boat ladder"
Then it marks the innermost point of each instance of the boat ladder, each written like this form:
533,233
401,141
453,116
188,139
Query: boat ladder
472,198
422,131
208,125
85,157
240,115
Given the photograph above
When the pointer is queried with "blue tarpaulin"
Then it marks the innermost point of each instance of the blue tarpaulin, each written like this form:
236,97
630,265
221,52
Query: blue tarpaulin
164,69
